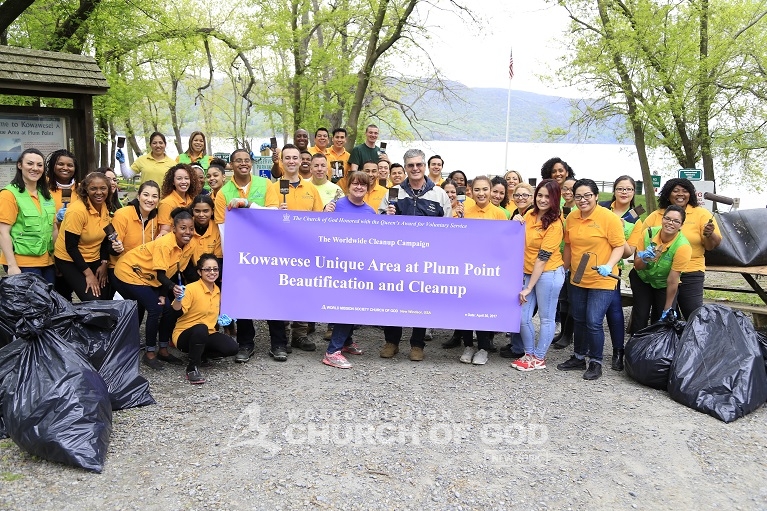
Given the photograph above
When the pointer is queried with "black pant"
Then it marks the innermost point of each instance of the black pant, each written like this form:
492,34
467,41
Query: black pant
197,342
645,298
393,334
484,339
690,295
75,280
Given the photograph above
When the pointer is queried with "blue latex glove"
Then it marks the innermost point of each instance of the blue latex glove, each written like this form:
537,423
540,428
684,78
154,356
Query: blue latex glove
224,320
183,292
646,255
668,315
604,269
119,156
60,214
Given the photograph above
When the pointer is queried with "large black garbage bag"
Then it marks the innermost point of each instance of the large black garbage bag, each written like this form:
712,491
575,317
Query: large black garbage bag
650,351
108,332
8,367
744,239
30,297
718,368
761,338
56,406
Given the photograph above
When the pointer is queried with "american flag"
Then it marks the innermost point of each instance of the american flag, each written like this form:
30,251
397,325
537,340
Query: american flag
511,64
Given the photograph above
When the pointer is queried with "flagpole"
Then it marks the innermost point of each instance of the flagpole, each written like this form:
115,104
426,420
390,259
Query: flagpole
508,112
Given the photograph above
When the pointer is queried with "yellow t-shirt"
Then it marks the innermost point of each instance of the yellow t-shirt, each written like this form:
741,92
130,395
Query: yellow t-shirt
304,197
598,234
151,169
168,204
681,257
160,254
489,212
9,211
219,214
695,222
58,198
374,197
537,238
89,224
199,306
130,230
206,243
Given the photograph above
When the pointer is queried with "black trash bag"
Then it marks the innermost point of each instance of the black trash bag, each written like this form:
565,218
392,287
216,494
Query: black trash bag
761,338
108,332
744,239
8,367
650,351
718,368
30,297
56,406
6,332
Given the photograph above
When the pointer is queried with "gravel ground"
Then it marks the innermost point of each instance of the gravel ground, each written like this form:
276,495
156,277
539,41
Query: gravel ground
395,434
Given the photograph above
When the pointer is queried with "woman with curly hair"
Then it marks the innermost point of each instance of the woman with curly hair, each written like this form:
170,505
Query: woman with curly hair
61,173
700,229
82,249
556,169
179,187
499,196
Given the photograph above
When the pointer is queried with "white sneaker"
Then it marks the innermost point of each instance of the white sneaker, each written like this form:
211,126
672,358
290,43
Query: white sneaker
480,358
468,354
428,336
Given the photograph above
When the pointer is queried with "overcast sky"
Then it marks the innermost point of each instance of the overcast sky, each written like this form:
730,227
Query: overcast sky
480,59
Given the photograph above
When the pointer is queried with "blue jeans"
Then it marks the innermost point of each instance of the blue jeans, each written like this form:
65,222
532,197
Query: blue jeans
545,294
342,336
615,320
588,308
48,273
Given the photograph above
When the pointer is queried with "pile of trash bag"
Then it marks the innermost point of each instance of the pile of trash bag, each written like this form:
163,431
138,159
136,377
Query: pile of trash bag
67,368
715,365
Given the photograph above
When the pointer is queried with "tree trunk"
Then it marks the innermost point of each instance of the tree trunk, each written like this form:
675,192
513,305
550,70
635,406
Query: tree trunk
103,145
174,115
705,96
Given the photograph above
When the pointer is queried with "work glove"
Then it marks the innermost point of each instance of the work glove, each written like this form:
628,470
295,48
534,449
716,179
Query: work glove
646,255
604,269
60,214
224,320
183,292
119,156
668,315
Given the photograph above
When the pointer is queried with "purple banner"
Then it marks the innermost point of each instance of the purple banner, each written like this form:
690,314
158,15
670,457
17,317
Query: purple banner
373,270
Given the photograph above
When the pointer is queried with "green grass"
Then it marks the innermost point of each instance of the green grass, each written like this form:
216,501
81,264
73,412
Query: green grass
749,298
10,476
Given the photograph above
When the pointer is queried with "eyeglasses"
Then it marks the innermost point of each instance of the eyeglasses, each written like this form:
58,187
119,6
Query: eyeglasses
358,183
414,165
209,270
237,162
672,220
567,189
624,190
521,195
585,196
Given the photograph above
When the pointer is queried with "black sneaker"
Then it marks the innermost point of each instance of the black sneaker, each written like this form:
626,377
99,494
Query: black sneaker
508,352
572,364
152,362
244,354
453,342
303,343
195,377
594,371
279,354
170,359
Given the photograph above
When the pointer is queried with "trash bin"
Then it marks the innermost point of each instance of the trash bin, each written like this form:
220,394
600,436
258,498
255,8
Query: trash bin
640,186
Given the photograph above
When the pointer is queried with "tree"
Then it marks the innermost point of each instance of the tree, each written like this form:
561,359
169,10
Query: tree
676,80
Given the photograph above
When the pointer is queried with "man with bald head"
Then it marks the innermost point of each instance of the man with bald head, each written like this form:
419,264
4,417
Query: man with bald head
301,141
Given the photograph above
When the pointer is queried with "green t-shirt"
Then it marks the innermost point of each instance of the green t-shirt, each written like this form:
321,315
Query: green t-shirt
362,154
328,191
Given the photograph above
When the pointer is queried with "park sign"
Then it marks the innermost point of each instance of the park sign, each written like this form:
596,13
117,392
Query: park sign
691,174
655,181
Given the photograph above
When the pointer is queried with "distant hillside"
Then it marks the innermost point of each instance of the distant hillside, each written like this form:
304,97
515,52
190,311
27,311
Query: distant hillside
480,114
